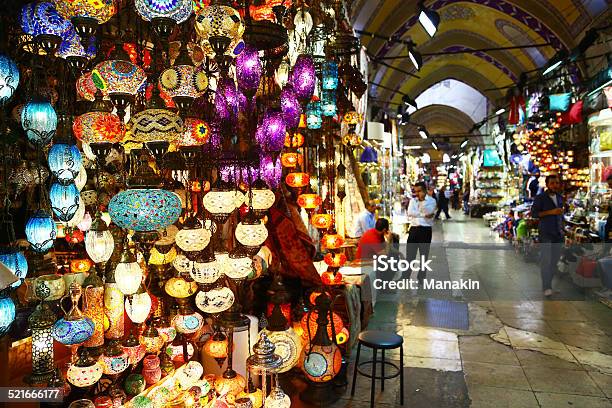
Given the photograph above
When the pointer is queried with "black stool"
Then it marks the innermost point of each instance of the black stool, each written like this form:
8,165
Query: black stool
375,340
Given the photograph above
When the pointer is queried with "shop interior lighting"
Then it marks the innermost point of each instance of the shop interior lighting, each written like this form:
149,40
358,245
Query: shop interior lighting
464,143
435,146
500,111
429,19
423,132
446,158
408,101
413,147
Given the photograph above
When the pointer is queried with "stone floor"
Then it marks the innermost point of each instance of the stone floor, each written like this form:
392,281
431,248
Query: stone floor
519,350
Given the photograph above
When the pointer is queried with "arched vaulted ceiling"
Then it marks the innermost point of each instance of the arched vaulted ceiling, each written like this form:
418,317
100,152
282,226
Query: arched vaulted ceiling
469,25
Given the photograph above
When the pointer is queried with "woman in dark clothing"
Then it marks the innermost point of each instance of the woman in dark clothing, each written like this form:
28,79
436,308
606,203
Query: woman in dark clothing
442,203
466,199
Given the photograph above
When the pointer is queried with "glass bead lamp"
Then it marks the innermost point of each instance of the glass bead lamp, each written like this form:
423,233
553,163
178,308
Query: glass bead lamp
328,103
272,131
218,20
39,120
217,347
40,231
221,201
332,240
309,201
7,314
291,159
297,179
262,197
16,262
288,346
303,77
240,264
9,78
151,339
42,21
40,322
251,232
65,162
128,273
118,77
114,360
271,170
99,125
206,272
193,236
314,115
99,242
100,11
177,10
180,288
155,125
248,70
85,372
290,106
330,75
64,200
145,209
188,322
134,349
73,328
183,81
196,132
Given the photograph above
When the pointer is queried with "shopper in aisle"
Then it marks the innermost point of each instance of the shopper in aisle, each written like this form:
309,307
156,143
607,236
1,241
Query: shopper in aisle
366,220
466,199
533,185
421,211
548,207
373,241
442,203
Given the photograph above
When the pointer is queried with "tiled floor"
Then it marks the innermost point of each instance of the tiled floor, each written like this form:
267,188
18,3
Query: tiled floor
520,350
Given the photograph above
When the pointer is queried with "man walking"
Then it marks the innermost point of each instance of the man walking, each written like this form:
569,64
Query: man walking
366,219
442,203
421,212
548,207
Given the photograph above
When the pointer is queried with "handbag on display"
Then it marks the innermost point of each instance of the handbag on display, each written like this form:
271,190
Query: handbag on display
586,267
559,102
574,115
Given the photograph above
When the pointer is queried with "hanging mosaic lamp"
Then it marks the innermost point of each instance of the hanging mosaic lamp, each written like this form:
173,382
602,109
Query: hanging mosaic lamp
294,140
42,21
40,231
262,197
7,314
271,132
114,360
188,322
219,21
297,179
309,201
196,132
193,236
290,107
271,170
215,301
216,347
118,77
222,200
240,263
328,103
99,125
251,232
100,11
39,120
330,75
288,345
206,272
64,200
138,306
65,162
99,242
332,240
314,115
248,70
151,339
180,288
155,123
145,209
133,348
85,372
9,78
73,328
303,77
176,10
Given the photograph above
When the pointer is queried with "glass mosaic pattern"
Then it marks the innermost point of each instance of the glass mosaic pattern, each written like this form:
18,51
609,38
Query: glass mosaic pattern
145,209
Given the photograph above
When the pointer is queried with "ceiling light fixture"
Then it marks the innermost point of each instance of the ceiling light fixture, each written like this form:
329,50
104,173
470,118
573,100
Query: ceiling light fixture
445,158
415,57
408,101
423,132
464,143
413,147
435,146
429,19
500,111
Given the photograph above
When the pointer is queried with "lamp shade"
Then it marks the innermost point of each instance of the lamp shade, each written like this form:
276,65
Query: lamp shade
330,75
322,363
95,127
205,272
288,345
40,231
118,77
114,363
16,262
272,131
40,17
183,80
153,125
195,132
84,376
177,10
290,106
99,245
9,78
138,307
180,288
314,115
251,234
64,200
262,197
219,21
101,10
332,240
128,275
303,77
145,209
297,180
7,314
193,239
277,399
309,201
188,323
71,332
215,300
65,162
248,69
39,120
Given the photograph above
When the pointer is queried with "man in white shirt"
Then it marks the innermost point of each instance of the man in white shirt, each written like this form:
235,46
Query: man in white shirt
421,211
366,219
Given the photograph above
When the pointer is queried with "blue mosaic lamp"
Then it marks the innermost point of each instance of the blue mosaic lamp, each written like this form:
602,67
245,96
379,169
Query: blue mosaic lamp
7,314
145,209
65,162
39,120
314,115
40,231
64,200
330,75
40,18
328,103
177,10
9,78
73,328
16,262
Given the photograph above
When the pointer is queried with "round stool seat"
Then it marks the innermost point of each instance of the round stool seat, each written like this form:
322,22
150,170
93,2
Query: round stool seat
380,339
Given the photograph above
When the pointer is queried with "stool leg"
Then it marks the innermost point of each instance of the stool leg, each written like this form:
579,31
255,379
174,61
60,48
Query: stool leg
355,369
401,374
382,371
373,387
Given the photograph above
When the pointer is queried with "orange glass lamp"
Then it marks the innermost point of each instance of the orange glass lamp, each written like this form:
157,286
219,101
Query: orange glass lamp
351,118
291,159
310,319
332,240
151,339
216,347
321,221
179,288
335,260
297,179
331,277
296,140
309,201
80,265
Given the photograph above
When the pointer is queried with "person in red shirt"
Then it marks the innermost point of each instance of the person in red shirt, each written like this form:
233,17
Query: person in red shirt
373,241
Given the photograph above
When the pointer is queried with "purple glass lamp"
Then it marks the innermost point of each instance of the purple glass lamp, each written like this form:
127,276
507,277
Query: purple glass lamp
248,70
290,105
272,131
303,78
271,170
